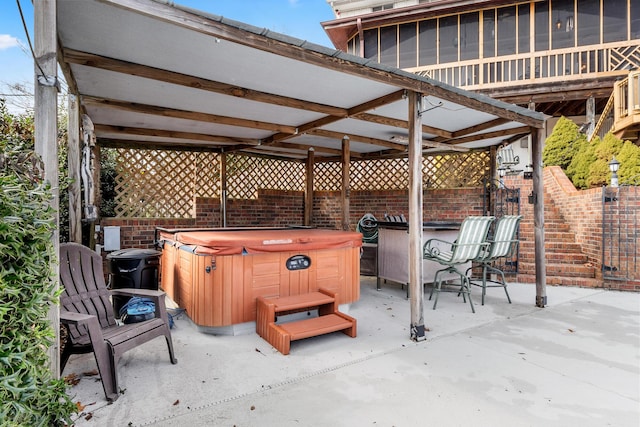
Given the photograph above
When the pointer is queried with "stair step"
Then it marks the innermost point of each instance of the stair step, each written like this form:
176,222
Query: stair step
584,282
567,257
551,246
307,328
568,270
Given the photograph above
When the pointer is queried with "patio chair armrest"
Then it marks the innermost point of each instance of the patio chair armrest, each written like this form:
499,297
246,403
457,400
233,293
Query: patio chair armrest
72,318
431,250
133,292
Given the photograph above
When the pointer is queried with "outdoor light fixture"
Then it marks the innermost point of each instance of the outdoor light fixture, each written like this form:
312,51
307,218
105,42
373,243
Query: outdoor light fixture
528,172
614,165
558,24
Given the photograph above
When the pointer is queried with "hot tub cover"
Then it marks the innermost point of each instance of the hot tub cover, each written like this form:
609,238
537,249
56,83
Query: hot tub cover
261,241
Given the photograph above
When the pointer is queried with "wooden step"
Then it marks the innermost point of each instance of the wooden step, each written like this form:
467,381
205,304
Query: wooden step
280,335
302,301
315,326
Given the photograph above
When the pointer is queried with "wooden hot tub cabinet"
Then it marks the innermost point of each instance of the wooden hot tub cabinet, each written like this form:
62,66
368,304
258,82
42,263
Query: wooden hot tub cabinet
217,274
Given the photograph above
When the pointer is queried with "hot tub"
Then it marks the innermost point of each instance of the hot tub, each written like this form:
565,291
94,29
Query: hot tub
217,274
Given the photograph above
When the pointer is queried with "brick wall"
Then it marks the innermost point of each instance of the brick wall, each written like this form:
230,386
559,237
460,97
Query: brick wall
582,210
282,208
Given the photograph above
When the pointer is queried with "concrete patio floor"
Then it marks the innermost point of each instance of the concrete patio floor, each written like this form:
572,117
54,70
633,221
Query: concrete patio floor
573,363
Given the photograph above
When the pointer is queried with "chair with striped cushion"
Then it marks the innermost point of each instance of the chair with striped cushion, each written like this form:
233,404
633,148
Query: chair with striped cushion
469,245
502,245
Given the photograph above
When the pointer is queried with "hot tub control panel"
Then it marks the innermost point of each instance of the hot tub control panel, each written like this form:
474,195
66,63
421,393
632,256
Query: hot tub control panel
298,262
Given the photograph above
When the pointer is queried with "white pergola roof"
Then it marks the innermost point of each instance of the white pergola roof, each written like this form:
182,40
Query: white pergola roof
150,74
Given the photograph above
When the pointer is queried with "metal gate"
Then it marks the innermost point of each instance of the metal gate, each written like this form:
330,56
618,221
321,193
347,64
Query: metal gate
501,200
620,234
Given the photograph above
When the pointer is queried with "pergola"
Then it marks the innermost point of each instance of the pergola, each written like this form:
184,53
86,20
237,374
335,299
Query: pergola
153,75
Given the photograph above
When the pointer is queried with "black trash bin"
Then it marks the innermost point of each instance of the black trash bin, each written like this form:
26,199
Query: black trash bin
132,268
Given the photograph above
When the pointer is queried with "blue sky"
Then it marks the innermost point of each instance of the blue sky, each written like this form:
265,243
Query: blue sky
297,18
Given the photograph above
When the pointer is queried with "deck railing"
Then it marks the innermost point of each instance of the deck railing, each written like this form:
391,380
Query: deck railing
537,67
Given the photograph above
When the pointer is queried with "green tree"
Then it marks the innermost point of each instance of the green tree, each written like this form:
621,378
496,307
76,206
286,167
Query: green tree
563,144
29,395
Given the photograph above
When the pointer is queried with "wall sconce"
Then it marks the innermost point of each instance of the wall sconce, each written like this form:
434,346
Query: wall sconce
532,198
559,24
614,165
528,172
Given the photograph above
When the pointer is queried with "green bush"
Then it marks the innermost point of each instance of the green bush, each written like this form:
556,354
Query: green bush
629,158
29,394
563,144
578,169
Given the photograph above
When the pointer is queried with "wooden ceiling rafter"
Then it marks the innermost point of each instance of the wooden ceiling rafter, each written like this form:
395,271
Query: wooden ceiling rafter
187,115
520,130
126,131
315,124
102,62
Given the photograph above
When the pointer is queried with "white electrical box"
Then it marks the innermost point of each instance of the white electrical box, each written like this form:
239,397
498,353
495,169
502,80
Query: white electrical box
111,238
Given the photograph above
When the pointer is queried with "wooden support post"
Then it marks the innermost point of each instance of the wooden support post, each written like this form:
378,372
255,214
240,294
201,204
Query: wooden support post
493,177
46,133
73,158
416,292
308,203
223,189
537,140
346,191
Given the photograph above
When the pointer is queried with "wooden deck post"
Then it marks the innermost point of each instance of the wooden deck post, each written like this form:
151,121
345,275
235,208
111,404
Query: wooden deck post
537,141
308,204
416,292
223,189
346,191
73,157
46,133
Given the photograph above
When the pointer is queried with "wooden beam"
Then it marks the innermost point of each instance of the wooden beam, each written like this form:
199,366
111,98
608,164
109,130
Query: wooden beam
147,145
521,130
46,132
91,60
308,199
359,138
187,115
73,159
357,109
478,128
346,190
223,189
416,291
128,131
388,121
537,142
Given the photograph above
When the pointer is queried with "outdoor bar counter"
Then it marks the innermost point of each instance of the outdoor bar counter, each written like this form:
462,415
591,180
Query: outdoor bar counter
217,274
393,250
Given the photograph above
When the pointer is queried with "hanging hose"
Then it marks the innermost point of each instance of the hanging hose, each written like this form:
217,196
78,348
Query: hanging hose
368,226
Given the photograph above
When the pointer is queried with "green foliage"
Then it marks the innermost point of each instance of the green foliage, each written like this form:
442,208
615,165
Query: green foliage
29,395
578,169
108,160
587,163
629,158
599,173
563,144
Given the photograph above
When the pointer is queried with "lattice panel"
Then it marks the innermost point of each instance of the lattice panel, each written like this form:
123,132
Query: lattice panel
455,170
164,184
383,174
246,175
327,176
623,56
208,182
155,184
